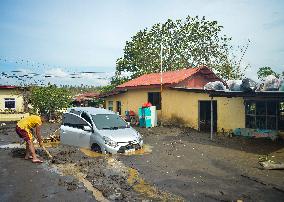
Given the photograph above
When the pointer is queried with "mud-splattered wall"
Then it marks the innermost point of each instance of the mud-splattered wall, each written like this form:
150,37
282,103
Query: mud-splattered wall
183,107
131,100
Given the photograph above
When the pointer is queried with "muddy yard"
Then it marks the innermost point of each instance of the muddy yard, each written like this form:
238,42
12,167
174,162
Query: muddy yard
177,164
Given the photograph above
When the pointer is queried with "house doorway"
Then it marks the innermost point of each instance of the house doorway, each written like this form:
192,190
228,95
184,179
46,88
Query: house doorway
205,116
118,107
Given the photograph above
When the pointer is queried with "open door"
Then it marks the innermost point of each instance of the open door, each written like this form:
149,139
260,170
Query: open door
72,131
205,116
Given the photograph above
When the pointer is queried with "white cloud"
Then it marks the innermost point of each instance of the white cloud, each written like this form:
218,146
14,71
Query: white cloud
57,72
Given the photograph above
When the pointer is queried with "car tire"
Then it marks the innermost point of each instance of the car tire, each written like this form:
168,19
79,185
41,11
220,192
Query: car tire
133,120
96,148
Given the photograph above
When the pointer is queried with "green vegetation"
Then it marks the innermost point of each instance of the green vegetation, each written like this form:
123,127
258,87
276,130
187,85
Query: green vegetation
47,100
189,43
266,71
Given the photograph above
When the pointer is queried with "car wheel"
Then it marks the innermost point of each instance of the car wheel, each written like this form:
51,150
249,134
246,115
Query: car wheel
96,148
133,121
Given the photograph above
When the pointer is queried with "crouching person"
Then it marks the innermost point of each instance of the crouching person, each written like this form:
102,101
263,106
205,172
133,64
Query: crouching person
23,129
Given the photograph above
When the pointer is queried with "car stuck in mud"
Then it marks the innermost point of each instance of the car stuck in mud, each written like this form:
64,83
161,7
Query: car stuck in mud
99,129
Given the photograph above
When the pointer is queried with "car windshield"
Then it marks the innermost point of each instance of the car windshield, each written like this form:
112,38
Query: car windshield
108,121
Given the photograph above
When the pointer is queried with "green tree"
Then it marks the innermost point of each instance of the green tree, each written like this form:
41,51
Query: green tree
189,43
49,99
266,71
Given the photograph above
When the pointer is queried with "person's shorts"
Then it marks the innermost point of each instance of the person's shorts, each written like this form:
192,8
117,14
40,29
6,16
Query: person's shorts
24,134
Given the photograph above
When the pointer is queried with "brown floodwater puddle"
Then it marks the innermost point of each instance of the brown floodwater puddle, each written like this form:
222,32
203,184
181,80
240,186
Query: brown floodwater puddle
91,153
146,149
51,144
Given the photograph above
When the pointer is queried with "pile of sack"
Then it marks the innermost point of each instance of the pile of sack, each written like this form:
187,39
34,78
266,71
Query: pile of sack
270,83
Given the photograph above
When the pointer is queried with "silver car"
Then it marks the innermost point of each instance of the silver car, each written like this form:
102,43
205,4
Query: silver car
99,129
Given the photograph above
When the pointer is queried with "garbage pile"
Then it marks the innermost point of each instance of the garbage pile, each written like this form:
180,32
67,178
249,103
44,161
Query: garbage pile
53,137
270,83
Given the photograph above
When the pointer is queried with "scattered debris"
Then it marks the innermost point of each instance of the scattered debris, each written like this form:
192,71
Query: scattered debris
11,146
271,165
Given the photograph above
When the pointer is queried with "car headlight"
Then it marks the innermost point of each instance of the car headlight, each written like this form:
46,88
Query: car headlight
109,142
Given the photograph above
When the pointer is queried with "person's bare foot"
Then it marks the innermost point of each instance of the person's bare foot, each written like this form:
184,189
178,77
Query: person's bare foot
28,157
37,161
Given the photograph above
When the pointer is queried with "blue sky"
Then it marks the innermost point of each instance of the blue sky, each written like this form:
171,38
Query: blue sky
73,36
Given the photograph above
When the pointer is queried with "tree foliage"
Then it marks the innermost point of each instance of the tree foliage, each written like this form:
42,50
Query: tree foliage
47,100
266,71
189,43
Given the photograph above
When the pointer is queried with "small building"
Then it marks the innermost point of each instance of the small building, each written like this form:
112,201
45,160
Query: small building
12,107
182,99
262,110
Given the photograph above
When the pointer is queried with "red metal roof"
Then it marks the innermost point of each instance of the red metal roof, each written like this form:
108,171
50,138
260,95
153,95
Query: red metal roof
7,87
169,78
86,96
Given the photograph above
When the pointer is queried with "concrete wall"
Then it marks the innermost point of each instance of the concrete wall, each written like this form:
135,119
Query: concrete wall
131,100
12,117
182,107
12,93
19,105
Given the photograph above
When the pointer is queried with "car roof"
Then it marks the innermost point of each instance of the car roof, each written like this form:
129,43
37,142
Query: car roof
91,110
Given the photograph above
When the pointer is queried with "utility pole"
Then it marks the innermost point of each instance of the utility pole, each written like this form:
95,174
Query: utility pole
211,136
161,75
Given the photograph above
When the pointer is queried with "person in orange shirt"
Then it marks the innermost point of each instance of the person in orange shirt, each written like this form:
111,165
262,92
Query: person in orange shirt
23,129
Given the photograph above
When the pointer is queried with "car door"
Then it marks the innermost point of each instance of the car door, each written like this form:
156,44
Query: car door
72,131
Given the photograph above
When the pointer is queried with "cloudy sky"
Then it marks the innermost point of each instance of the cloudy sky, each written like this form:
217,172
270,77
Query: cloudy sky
70,37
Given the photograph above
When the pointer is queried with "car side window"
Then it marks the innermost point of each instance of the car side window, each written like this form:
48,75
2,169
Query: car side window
75,121
86,117
75,112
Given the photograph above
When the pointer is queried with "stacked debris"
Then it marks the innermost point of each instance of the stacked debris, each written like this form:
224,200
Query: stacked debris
270,83
216,85
234,85
53,137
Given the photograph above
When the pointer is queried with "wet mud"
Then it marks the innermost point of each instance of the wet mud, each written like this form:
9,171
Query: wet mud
187,163
176,164
107,175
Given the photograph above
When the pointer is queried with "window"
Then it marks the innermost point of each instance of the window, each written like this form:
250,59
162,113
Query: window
261,114
10,103
86,117
73,120
155,99
110,105
108,122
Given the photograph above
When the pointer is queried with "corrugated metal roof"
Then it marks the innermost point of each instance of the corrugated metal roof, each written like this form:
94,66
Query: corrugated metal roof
169,78
86,96
8,87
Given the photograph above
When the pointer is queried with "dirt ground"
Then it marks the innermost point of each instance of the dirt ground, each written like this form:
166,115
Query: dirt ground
180,165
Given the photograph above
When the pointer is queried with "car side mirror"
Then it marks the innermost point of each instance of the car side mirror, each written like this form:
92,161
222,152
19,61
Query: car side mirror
87,128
